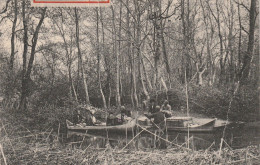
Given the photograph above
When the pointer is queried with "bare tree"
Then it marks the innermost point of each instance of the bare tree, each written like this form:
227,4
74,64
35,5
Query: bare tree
248,56
98,60
13,35
80,60
26,80
118,98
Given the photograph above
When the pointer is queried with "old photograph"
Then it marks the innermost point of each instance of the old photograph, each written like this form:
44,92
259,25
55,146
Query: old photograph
140,82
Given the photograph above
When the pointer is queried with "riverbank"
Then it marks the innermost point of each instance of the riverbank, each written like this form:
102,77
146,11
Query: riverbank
22,144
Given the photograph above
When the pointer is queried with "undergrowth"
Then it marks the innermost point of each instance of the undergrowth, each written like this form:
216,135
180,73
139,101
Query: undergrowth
24,143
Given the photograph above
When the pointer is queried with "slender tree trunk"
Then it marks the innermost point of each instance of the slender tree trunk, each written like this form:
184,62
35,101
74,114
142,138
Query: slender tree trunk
118,99
166,60
146,75
156,44
119,50
80,58
73,90
184,64
138,47
206,17
98,66
134,77
239,39
133,47
72,87
13,36
23,101
230,77
187,94
106,59
221,62
129,43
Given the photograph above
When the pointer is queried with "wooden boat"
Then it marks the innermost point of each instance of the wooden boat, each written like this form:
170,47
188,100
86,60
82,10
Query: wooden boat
185,124
129,126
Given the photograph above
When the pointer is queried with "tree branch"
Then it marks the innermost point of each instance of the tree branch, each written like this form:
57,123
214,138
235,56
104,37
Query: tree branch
241,4
6,6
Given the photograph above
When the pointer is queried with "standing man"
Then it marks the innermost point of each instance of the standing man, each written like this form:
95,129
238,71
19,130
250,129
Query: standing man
158,118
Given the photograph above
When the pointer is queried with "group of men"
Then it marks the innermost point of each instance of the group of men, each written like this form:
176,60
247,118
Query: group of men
155,112
89,119
159,113
119,119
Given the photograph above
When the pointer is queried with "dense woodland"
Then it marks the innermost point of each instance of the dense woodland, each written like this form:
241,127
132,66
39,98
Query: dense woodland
201,55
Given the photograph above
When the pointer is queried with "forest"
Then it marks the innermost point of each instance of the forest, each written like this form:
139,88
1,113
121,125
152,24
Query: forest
200,55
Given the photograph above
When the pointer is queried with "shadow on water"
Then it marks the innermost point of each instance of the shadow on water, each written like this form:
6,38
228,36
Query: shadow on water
234,137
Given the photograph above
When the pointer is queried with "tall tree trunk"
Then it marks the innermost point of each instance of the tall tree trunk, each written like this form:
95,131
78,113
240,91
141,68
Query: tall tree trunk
80,58
129,43
119,50
98,66
138,47
133,47
73,90
248,56
146,75
118,99
156,44
239,40
221,62
231,74
26,77
13,36
106,59
23,101
164,51
206,17
134,76
184,65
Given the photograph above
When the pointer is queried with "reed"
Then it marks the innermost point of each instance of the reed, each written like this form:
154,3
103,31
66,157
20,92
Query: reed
20,144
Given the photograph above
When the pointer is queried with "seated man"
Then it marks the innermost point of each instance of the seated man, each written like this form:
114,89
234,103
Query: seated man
77,118
111,119
166,109
124,116
89,119
166,106
152,106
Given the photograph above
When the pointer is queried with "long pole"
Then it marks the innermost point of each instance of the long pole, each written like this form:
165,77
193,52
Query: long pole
187,95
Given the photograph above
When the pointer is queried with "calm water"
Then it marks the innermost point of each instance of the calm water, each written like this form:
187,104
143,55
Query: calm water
235,138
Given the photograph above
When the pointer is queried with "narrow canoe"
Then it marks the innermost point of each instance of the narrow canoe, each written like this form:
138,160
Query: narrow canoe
185,124
129,126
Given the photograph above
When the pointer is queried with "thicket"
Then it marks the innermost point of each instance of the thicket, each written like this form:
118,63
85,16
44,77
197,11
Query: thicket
213,101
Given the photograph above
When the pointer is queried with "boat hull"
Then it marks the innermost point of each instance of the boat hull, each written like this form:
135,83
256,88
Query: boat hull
130,126
186,125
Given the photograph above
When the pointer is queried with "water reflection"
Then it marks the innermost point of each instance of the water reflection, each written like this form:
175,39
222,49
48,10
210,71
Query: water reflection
235,138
